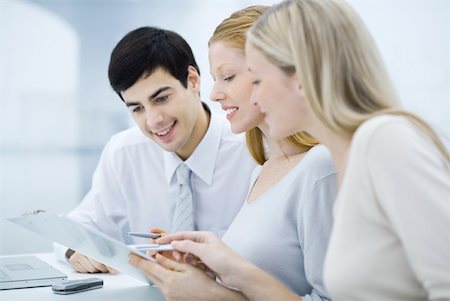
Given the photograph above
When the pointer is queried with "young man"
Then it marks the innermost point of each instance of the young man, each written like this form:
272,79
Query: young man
136,182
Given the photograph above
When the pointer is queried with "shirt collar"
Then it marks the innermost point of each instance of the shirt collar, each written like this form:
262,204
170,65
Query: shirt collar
203,159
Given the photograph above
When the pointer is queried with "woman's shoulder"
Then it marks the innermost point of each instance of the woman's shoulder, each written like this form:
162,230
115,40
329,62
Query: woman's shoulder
383,127
318,163
392,139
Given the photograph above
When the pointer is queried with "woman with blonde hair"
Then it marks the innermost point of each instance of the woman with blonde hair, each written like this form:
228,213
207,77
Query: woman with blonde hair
291,195
393,169
315,68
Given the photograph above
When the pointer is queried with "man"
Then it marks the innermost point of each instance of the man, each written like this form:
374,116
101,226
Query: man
137,181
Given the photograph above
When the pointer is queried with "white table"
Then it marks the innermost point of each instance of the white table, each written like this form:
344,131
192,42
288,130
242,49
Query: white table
115,287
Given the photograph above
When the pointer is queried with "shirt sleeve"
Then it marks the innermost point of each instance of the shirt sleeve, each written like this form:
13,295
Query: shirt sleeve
104,207
315,223
60,252
411,181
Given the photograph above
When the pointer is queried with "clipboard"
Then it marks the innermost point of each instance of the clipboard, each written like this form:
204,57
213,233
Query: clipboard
85,240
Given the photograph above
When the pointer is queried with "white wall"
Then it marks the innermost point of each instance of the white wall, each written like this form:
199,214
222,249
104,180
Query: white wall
414,39
57,109
38,118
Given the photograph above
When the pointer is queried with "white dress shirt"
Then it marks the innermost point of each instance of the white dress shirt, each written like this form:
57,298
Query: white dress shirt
391,234
135,183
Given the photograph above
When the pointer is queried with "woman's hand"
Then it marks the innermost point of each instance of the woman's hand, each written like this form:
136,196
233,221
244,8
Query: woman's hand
162,232
210,250
232,269
180,281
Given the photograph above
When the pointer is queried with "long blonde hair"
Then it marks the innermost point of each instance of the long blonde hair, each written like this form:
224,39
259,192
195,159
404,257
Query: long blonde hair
233,31
331,51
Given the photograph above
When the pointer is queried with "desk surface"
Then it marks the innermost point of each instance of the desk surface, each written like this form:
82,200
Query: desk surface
115,287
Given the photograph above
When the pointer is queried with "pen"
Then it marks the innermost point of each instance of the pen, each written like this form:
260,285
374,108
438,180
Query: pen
144,234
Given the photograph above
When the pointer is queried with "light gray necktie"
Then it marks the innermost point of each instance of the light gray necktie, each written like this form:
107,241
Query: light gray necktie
183,219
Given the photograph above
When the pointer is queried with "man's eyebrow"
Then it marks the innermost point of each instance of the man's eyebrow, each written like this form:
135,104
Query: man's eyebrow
151,97
130,104
157,92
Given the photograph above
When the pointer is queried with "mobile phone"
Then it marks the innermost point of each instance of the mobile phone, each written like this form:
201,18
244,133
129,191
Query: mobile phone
67,287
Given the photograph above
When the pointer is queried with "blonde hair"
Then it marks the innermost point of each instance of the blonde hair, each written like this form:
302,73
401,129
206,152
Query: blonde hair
329,48
233,32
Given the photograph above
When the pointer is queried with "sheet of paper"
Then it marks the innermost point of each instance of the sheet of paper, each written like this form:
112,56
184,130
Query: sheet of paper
84,240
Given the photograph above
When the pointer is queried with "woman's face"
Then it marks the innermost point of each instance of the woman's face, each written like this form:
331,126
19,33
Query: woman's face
278,95
233,87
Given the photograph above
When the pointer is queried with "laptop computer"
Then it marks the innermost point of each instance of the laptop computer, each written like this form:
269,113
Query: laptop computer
27,271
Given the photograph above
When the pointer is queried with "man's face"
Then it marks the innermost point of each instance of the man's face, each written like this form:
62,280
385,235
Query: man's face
165,111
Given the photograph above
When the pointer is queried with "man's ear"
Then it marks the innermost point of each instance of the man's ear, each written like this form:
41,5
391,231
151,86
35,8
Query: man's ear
193,79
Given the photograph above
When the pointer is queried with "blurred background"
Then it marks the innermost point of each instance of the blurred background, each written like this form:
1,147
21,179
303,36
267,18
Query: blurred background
57,109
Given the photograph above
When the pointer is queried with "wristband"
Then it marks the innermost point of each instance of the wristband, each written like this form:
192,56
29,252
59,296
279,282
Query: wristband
69,253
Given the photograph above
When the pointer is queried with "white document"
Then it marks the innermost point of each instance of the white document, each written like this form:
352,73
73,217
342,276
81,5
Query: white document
84,240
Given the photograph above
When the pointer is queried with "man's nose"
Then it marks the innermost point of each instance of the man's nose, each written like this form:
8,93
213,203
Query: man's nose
154,118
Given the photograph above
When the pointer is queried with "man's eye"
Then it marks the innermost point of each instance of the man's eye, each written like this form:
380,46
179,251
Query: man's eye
256,82
161,98
137,109
229,78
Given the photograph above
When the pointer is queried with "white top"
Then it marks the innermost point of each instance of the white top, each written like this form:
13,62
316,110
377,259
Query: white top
285,231
391,238
135,183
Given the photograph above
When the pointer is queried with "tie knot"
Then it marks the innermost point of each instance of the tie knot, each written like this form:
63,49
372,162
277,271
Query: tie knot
183,174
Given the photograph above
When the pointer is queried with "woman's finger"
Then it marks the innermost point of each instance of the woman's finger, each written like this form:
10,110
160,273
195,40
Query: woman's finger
188,246
169,264
148,267
177,256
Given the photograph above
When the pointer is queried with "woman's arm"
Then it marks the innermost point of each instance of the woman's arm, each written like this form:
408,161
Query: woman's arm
179,281
233,270
414,194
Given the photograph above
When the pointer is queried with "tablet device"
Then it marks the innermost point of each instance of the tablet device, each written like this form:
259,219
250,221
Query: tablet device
85,240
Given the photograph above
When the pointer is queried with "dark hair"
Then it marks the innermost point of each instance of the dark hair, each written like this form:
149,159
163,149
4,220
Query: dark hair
143,50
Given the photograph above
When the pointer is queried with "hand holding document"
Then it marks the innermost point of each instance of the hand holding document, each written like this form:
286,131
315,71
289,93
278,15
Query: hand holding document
88,241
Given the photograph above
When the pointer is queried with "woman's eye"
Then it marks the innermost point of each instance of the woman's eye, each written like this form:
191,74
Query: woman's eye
229,78
256,82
